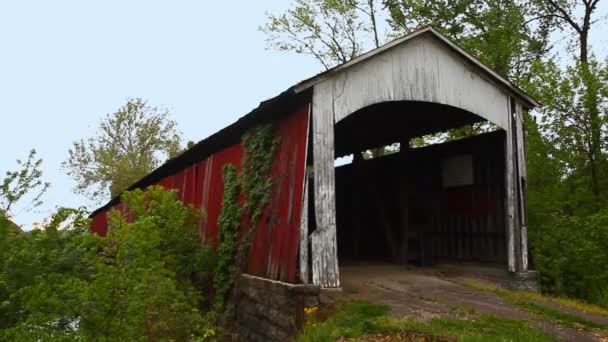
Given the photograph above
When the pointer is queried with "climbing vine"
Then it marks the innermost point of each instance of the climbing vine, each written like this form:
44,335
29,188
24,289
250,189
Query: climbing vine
229,224
255,185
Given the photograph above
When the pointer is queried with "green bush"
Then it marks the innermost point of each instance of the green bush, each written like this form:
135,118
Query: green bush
42,276
571,254
145,281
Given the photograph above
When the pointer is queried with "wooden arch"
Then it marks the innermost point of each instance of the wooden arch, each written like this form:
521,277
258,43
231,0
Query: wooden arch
424,68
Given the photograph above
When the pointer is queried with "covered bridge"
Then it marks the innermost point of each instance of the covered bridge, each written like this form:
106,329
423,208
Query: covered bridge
456,201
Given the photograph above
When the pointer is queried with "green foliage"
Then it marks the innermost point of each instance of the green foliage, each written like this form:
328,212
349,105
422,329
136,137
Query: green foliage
144,281
359,318
332,31
18,184
559,317
352,319
255,185
129,144
498,32
572,253
229,224
518,296
151,273
568,123
544,178
42,274
479,328
536,304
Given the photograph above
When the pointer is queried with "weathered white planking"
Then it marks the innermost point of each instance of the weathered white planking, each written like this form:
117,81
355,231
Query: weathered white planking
324,242
421,69
521,181
304,234
304,214
510,193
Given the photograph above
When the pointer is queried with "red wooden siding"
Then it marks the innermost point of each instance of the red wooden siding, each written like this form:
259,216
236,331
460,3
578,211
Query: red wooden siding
275,243
274,251
213,188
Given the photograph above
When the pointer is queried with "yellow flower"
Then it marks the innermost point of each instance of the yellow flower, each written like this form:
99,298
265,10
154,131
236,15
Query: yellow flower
311,310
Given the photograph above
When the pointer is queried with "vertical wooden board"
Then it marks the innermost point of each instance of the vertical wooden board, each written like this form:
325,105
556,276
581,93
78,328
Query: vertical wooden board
425,67
324,242
274,250
166,182
206,190
521,183
99,224
215,188
178,184
304,235
357,80
510,195
199,181
198,194
189,187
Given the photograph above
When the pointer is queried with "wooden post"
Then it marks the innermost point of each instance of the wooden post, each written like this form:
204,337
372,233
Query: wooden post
404,150
356,204
304,234
304,242
509,190
324,240
522,191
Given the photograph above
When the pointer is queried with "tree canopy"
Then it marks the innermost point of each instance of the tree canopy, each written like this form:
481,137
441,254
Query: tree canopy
129,144
24,184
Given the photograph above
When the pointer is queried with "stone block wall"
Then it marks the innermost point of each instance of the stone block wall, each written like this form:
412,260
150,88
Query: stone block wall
269,310
523,281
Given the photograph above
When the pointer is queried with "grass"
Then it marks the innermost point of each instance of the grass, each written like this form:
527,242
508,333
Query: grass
565,302
559,317
355,319
530,302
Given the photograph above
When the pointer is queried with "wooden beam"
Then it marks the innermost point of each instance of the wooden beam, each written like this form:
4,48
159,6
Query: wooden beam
404,150
522,183
325,271
509,192
304,235
304,275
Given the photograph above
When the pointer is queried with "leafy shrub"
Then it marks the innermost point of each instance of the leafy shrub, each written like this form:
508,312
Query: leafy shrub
571,254
145,281
42,275
152,272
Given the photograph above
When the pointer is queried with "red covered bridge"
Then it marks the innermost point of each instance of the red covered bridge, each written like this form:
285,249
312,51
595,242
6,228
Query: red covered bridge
462,200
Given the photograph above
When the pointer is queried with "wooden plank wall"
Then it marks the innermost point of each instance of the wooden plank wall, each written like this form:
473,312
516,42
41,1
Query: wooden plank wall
459,223
274,249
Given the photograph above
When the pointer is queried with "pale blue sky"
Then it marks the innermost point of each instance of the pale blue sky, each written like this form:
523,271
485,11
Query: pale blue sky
65,64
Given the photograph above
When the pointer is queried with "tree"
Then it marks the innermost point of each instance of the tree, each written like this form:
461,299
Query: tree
129,144
591,95
17,185
146,280
333,31
152,272
42,274
569,125
508,35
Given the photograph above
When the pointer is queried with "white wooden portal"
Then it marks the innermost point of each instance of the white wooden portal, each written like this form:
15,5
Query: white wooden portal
423,66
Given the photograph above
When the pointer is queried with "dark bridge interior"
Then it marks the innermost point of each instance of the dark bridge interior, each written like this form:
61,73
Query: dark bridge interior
443,202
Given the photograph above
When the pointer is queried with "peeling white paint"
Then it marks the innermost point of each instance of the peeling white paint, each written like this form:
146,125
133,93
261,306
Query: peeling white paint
422,69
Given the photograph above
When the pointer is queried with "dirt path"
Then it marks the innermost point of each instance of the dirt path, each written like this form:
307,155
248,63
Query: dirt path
424,294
